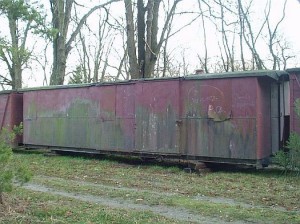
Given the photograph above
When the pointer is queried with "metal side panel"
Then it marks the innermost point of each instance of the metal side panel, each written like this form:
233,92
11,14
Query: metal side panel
275,116
157,111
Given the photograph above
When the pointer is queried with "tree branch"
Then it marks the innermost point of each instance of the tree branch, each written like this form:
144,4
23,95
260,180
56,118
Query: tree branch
82,21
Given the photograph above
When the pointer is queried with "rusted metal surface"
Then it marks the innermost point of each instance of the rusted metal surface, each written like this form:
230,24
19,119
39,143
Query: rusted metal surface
5,111
157,115
231,131
222,116
125,117
232,117
11,111
122,117
263,121
71,117
294,96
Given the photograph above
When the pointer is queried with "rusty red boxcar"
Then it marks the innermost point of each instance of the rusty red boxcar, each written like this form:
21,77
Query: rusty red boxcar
11,111
230,117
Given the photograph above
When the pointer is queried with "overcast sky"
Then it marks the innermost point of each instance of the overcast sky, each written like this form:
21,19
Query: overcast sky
190,39
289,28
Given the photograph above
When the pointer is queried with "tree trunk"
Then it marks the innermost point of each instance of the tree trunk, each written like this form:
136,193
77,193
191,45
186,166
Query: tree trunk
148,44
141,35
151,39
61,13
242,30
131,48
59,61
205,61
16,71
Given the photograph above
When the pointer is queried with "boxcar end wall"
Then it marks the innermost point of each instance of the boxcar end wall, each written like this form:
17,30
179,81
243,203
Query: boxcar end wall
11,112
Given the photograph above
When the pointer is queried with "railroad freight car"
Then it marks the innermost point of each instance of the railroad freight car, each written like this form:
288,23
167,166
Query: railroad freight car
11,112
230,117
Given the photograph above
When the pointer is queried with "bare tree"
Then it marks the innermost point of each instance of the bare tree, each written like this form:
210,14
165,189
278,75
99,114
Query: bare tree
204,62
241,32
233,20
96,48
62,41
149,42
84,59
273,34
283,47
249,36
43,62
228,61
122,68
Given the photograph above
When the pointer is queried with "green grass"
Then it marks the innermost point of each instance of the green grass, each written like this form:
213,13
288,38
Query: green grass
47,208
225,211
270,197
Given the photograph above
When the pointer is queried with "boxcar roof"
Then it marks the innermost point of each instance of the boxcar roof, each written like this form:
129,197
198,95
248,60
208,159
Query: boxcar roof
259,73
7,91
276,75
290,70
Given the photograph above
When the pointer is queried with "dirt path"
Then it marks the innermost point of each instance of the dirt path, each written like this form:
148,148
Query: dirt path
168,212
216,200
